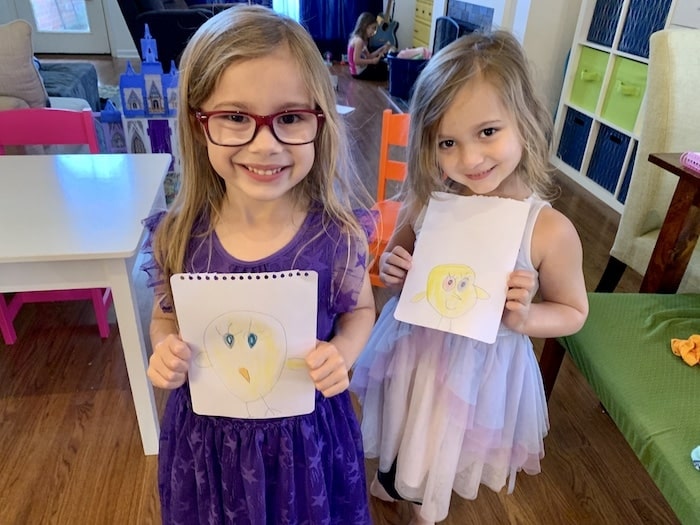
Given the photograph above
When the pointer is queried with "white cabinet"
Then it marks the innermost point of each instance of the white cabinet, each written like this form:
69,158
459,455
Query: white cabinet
598,118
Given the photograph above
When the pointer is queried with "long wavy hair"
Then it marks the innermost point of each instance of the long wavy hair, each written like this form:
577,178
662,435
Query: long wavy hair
365,20
498,58
236,34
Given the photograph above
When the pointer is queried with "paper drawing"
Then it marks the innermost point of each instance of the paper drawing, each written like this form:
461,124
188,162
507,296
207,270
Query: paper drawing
465,250
248,351
452,291
249,334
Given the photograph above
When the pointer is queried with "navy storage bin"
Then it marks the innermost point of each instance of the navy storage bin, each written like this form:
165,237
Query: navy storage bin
604,22
643,18
403,73
574,135
608,157
622,196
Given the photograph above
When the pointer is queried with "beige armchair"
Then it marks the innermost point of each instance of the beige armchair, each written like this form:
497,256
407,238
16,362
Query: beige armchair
671,123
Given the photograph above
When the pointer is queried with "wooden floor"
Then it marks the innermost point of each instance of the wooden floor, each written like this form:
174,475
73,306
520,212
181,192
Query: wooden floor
71,447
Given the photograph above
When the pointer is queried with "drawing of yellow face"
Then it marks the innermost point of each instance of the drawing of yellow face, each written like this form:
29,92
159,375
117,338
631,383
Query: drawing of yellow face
451,290
247,350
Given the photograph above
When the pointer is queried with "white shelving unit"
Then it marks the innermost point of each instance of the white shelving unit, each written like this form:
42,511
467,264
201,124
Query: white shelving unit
598,120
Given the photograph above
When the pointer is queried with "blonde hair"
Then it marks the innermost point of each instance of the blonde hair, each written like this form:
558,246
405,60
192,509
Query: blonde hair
241,33
497,58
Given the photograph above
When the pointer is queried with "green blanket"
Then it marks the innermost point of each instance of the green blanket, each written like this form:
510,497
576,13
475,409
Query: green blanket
624,353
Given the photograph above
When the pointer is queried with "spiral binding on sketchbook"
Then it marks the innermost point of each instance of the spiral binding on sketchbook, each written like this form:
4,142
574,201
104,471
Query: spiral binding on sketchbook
691,160
240,276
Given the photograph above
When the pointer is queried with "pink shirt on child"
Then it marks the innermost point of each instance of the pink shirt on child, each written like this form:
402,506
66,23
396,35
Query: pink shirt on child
354,68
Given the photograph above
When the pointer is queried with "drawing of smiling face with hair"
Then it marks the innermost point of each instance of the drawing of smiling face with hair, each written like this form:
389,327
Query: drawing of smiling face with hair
451,290
248,351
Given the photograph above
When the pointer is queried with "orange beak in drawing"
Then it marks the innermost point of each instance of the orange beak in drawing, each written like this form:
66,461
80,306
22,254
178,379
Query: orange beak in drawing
247,350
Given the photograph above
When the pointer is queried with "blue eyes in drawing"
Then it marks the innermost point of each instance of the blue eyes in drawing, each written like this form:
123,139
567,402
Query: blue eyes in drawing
230,340
252,339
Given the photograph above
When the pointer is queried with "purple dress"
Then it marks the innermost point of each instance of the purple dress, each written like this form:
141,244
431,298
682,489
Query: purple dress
306,469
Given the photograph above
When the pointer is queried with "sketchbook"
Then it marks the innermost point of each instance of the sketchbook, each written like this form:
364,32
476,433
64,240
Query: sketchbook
249,334
465,251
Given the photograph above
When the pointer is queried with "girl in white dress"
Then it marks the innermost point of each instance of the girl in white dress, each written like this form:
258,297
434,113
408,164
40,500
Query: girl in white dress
444,412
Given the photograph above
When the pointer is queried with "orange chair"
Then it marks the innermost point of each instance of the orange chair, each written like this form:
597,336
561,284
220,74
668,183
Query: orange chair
47,126
394,133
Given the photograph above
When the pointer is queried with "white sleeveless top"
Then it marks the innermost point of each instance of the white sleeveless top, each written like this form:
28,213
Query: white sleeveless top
524,258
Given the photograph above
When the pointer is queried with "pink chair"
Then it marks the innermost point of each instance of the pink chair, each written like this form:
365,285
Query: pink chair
47,126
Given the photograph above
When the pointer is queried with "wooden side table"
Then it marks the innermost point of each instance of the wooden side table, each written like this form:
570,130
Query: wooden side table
679,231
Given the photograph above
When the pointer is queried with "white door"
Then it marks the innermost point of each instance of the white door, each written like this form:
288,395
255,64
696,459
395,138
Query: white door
66,26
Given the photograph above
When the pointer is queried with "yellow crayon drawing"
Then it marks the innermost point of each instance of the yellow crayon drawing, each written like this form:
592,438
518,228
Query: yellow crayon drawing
248,351
451,290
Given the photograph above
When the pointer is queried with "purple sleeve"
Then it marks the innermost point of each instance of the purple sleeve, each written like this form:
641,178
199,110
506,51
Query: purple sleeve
350,264
150,266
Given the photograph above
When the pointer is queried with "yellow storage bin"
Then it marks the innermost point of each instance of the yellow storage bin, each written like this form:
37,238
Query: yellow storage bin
589,78
624,94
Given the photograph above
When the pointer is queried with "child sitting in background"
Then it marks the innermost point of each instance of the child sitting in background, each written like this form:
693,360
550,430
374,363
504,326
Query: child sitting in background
363,64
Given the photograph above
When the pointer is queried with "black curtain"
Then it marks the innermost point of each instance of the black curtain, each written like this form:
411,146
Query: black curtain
330,22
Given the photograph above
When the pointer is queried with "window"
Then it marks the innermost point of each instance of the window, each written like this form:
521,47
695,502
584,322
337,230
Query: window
288,7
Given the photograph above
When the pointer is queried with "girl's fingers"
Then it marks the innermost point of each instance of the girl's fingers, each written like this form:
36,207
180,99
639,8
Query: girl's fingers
520,295
163,376
169,363
521,279
333,384
327,369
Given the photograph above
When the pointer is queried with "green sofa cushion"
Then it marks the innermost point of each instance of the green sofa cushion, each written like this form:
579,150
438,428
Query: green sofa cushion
653,397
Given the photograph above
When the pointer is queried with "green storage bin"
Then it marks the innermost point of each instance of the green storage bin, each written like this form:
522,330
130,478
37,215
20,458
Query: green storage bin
625,92
589,78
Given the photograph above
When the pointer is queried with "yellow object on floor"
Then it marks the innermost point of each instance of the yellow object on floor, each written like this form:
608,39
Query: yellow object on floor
687,349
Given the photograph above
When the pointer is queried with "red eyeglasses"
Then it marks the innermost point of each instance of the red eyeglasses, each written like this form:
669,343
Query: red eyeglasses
237,128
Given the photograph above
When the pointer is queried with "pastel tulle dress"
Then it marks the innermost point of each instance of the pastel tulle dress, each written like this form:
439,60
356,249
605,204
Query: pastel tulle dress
448,412
305,469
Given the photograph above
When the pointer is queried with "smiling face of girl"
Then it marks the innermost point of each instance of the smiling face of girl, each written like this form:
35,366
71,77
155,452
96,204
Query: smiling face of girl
478,142
264,170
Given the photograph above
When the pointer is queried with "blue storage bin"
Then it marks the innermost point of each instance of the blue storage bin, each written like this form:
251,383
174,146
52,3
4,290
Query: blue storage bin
403,73
574,135
643,18
622,196
608,157
604,22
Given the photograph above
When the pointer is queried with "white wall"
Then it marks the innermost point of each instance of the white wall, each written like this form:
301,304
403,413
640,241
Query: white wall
6,12
548,38
404,13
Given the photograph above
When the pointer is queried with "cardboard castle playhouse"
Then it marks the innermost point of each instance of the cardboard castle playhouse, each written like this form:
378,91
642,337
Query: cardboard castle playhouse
149,105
